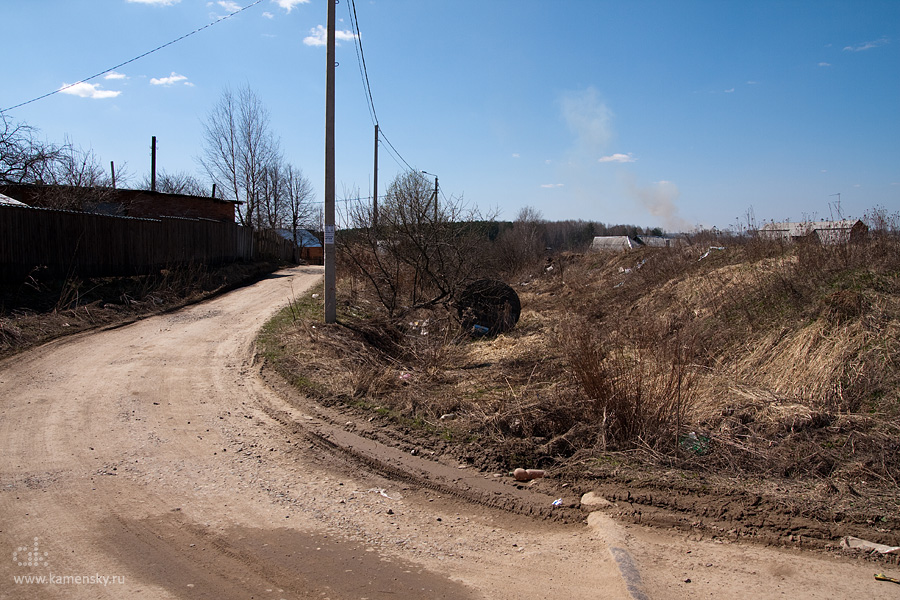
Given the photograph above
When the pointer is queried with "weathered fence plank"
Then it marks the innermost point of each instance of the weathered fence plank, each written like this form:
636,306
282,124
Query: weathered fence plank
64,243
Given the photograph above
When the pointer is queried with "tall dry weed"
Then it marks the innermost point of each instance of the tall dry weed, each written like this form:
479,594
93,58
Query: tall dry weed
638,395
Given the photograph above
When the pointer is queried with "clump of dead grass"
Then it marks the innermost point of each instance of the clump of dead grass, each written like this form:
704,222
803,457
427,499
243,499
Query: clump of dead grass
638,395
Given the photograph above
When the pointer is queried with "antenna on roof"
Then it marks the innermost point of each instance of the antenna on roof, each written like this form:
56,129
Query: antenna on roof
836,206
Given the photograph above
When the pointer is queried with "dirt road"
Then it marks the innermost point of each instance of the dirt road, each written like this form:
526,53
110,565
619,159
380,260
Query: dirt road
152,461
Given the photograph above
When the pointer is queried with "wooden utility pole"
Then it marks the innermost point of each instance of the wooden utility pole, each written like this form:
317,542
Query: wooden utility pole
112,171
153,164
435,194
435,199
375,179
330,287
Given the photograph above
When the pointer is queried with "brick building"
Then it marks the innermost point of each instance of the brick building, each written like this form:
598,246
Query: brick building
129,203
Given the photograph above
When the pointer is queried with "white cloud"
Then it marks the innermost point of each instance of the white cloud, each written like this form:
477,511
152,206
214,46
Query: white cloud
867,45
824,64
268,15
619,158
729,91
515,155
288,5
587,117
229,5
156,2
114,75
552,185
88,90
318,36
170,80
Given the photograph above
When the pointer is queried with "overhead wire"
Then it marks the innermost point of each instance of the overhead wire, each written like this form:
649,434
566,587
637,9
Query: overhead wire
361,60
131,60
364,75
394,150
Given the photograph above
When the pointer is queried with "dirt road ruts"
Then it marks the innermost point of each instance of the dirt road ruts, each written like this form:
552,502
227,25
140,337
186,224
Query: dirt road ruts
147,461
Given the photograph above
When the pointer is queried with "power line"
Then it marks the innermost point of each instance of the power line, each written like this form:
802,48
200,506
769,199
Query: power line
131,60
389,144
364,75
361,60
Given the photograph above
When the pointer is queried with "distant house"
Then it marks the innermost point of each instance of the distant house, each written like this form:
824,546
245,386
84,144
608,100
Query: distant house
652,241
310,247
824,232
129,203
614,243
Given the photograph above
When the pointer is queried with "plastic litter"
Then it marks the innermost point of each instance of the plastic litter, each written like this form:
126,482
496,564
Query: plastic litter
854,543
381,492
883,577
557,502
693,442
711,248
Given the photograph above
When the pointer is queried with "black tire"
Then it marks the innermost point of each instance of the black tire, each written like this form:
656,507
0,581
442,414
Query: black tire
488,307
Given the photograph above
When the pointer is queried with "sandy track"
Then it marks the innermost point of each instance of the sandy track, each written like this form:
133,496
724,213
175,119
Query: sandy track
143,454
151,461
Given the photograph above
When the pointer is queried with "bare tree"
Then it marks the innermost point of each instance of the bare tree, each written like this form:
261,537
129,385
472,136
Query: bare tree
74,179
418,255
65,175
272,211
180,182
520,246
299,198
239,150
22,156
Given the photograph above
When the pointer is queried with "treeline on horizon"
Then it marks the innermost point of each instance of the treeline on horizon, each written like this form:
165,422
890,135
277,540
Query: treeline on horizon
571,235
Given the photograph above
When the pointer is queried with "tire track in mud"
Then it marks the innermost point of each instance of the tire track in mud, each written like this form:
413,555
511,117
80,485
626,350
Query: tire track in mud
746,517
320,427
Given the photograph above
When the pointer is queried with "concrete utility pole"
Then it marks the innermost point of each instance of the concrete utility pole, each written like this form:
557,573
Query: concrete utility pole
330,287
112,171
375,192
153,164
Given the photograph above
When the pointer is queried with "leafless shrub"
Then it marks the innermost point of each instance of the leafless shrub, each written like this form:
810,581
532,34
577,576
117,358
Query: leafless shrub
520,247
638,395
415,252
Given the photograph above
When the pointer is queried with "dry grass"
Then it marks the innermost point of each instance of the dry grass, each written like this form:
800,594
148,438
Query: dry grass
783,359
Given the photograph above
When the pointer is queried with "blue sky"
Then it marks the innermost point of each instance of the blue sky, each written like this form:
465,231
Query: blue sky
658,113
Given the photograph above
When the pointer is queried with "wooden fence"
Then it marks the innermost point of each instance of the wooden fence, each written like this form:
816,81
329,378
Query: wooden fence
63,243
